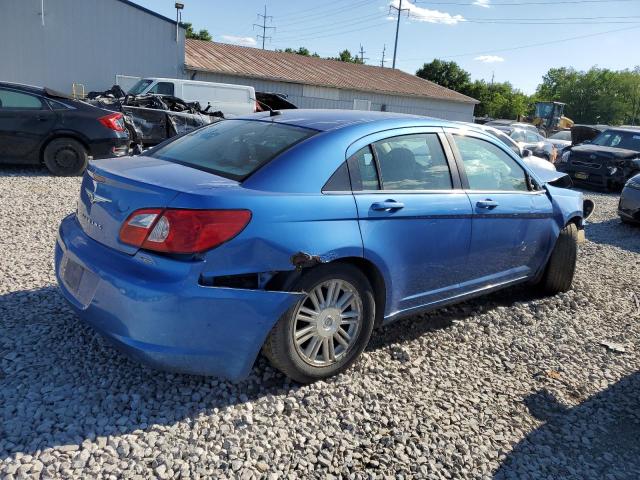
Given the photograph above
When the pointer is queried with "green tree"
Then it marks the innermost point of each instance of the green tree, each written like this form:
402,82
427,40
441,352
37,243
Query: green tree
598,95
300,51
447,74
203,34
345,56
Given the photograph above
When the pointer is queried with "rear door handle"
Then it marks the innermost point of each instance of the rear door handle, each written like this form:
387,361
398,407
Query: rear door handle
387,205
488,204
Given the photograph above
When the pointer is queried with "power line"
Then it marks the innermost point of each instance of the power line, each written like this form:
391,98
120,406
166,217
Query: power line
304,15
511,4
531,45
329,33
399,9
264,26
322,25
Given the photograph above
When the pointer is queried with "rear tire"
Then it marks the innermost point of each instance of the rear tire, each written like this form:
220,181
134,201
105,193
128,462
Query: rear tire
559,272
65,157
286,347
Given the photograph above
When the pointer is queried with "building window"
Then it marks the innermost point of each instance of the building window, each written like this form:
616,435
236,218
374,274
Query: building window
361,104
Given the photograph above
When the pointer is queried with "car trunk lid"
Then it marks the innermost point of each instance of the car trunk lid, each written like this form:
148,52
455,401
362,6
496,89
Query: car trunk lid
112,189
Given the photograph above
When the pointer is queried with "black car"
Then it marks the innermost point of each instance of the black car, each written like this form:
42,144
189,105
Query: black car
39,125
629,206
605,162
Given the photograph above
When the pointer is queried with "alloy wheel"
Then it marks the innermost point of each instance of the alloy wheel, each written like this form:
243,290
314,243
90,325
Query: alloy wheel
327,323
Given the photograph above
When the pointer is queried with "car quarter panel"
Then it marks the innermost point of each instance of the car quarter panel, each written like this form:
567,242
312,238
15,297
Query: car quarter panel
153,308
282,225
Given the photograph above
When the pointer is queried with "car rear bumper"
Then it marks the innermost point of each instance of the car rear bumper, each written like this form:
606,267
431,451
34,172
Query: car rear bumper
153,308
629,206
109,147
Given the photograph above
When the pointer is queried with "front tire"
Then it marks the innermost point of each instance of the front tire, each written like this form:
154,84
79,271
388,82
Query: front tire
65,157
559,272
327,330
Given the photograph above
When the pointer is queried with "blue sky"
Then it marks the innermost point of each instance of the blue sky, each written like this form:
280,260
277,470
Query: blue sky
478,34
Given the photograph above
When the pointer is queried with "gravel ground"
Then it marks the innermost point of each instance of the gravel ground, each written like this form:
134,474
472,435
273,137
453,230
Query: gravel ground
509,386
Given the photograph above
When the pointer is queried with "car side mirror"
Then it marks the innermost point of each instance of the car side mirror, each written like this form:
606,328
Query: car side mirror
526,153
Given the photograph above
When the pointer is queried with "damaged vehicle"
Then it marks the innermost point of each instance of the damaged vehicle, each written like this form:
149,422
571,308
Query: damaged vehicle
607,161
296,233
151,119
42,126
629,206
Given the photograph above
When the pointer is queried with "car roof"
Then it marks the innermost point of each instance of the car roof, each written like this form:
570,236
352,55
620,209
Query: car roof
23,86
326,120
47,92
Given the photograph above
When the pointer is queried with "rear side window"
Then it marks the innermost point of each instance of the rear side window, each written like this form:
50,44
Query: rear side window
20,101
413,162
232,148
362,167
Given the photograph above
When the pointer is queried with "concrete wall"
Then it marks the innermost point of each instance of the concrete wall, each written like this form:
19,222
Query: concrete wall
308,96
84,41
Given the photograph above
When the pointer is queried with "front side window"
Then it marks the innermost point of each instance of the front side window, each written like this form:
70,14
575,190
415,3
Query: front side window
232,148
488,167
10,99
413,162
162,88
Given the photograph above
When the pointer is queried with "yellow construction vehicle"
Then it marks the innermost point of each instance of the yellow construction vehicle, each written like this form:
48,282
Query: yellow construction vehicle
549,118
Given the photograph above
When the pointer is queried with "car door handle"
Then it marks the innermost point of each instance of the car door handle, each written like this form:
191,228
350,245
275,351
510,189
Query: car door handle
488,204
387,205
42,118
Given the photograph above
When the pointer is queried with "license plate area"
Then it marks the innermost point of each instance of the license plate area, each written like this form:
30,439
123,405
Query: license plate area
581,175
80,282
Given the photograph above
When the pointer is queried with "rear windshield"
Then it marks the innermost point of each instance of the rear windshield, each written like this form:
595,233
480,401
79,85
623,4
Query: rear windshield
232,148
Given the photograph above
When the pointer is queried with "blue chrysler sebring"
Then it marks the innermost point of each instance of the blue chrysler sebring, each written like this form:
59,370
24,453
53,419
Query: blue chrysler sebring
298,232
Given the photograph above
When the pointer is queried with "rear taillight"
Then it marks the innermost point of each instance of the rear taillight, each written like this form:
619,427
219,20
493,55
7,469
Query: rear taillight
113,121
182,231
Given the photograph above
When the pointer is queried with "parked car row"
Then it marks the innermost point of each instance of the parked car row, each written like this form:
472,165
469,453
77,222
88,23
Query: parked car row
42,126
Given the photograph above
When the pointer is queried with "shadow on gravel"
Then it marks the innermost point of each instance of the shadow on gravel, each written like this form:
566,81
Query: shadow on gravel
596,439
23,170
615,233
61,383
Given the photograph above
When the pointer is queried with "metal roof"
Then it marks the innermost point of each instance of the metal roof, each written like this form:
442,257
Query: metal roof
290,67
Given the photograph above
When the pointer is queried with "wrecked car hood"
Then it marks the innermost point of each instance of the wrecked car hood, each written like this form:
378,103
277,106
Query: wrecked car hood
595,152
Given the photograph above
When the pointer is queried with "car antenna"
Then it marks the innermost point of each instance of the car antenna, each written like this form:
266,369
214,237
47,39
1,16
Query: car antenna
272,112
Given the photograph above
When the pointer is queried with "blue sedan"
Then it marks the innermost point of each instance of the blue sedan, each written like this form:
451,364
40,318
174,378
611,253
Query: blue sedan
297,233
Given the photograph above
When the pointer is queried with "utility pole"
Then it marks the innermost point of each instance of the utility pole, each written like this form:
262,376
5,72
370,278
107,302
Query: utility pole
384,50
264,26
399,9
362,52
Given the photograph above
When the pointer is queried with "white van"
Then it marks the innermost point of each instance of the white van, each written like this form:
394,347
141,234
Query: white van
229,99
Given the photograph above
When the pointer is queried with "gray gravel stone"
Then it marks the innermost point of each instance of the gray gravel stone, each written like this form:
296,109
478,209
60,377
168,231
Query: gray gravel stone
508,386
